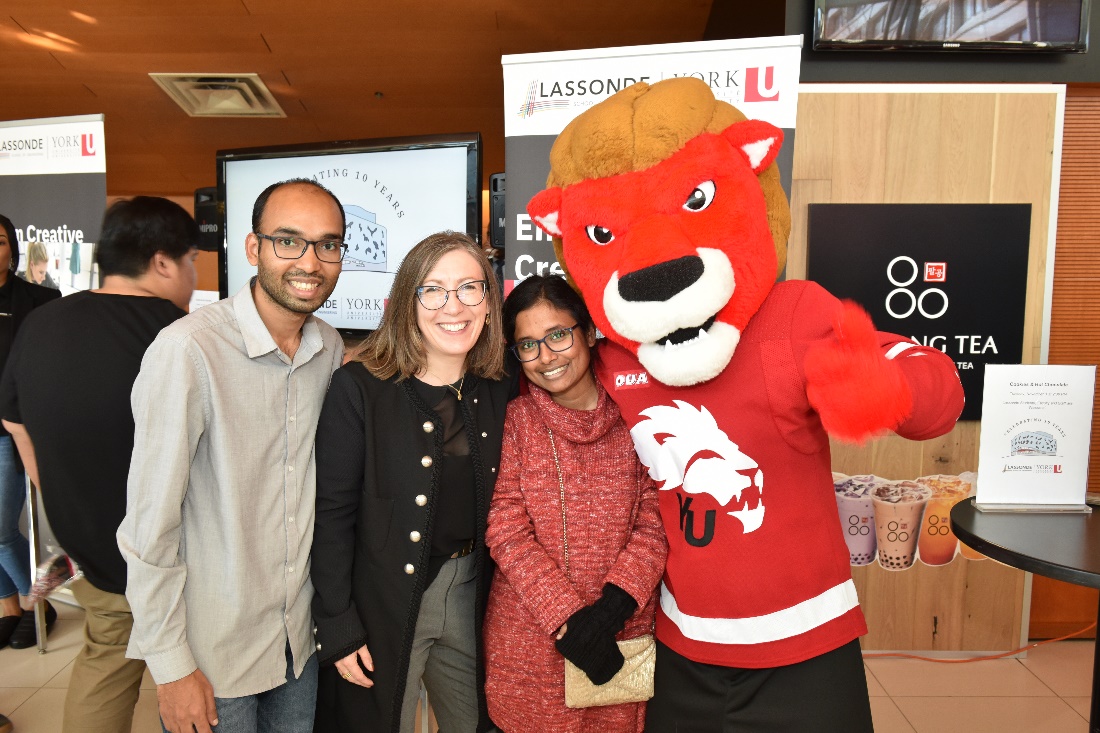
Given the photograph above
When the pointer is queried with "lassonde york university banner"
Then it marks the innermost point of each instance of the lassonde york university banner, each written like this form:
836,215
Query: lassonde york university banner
53,186
543,92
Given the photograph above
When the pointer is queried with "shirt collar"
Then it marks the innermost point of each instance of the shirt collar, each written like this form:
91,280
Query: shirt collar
258,340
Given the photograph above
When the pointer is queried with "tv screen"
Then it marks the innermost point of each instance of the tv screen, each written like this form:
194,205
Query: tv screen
962,25
394,191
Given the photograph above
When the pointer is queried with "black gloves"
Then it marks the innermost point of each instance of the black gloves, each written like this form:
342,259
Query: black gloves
589,640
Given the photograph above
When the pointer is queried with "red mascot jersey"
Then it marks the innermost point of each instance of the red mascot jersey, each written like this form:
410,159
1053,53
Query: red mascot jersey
758,574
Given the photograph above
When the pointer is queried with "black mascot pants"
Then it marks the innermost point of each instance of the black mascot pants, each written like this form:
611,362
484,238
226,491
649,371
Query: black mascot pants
825,694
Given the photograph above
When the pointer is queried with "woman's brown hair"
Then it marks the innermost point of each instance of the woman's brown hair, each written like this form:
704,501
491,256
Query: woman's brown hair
397,347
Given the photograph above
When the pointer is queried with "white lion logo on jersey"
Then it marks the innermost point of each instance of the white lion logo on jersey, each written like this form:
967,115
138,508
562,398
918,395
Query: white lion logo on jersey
683,446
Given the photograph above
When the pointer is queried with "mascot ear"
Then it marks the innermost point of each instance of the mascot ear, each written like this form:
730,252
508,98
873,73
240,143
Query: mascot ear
758,140
545,210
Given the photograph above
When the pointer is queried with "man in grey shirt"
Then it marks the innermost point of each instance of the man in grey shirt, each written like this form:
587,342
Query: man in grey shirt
220,497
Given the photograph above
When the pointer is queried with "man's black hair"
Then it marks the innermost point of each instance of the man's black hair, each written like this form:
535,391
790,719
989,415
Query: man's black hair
136,229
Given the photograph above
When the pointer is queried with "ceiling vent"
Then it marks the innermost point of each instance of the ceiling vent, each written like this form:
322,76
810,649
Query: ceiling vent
220,95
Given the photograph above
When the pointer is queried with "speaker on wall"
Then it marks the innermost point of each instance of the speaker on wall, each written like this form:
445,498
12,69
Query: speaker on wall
209,214
496,211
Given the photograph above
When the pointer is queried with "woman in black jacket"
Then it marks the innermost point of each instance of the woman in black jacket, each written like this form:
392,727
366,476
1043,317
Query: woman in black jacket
17,299
407,450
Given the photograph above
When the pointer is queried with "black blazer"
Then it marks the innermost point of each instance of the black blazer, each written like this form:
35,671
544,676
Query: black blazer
375,486
25,297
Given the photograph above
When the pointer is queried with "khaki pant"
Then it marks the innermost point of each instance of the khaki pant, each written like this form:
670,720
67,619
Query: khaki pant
104,686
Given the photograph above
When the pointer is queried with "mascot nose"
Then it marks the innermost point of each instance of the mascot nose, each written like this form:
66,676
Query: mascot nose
661,281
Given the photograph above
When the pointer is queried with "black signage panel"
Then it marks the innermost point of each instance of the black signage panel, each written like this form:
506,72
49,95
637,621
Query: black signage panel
949,276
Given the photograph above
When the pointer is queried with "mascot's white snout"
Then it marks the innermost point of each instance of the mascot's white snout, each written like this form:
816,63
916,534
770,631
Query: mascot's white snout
679,340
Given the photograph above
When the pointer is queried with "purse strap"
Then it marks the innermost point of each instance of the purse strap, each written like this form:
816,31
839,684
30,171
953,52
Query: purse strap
561,489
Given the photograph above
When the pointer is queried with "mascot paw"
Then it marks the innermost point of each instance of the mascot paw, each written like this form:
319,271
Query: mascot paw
858,393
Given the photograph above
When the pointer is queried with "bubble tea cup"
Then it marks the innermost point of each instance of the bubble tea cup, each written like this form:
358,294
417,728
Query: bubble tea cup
857,515
899,507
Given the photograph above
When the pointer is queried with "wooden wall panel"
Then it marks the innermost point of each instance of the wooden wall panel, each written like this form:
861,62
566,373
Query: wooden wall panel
906,145
1059,608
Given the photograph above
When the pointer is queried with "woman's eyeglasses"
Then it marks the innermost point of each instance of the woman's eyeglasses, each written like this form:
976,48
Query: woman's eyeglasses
434,297
557,340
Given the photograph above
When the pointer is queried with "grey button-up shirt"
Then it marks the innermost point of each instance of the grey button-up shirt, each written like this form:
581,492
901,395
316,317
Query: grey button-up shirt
220,498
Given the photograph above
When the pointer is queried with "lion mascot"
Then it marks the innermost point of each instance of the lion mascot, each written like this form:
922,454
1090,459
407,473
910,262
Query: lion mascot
666,211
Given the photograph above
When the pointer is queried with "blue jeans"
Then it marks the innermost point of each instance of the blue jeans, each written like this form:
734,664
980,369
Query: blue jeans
288,708
15,554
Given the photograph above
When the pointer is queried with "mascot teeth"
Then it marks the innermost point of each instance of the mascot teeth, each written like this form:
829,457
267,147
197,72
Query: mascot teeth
686,335
693,361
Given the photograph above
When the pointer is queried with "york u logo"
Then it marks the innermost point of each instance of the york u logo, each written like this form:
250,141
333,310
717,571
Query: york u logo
761,87
87,144
683,448
631,379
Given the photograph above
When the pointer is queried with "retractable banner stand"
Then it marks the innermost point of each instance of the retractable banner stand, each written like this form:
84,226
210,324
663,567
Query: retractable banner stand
543,92
53,186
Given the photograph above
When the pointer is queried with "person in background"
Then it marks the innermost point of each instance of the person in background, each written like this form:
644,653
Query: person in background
565,597
220,499
407,454
64,397
17,299
38,259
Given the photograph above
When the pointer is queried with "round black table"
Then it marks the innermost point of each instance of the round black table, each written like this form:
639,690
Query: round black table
1060,546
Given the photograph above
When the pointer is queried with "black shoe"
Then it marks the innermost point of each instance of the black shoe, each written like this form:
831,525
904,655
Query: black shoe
25,636
5,724
7,628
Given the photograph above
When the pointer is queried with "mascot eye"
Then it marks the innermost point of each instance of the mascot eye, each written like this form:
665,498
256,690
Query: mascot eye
701,197
599,234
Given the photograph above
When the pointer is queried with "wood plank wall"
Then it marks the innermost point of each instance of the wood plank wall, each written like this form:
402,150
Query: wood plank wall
910,146
1060,608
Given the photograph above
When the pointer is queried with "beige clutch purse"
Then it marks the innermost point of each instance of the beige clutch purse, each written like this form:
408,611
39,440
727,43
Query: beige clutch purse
632,683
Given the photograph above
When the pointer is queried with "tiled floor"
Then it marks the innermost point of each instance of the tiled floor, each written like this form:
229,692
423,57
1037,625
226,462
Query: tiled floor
1046,693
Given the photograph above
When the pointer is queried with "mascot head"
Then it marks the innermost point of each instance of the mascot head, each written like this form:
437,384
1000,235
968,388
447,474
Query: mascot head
666,212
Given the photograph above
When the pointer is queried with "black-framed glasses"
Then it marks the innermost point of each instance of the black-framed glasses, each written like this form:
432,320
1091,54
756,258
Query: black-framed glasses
560,339
291,248
434,297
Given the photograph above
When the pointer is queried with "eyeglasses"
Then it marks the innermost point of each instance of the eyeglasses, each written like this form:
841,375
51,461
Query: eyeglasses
291,248
434,297
557,340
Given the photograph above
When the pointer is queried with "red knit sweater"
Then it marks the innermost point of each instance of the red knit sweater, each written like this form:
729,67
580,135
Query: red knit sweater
615,536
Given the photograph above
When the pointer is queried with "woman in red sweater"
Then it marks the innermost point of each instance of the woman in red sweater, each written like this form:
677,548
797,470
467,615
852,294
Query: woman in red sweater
553,600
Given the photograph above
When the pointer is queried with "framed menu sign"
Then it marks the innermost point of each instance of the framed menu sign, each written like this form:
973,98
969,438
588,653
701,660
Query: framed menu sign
1036,427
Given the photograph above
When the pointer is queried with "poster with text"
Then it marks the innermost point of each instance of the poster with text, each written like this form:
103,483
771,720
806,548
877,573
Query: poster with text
53,187
543,92
949,276
1036,432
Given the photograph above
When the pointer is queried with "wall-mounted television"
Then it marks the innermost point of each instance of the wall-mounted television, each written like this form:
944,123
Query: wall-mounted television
952,25
395,192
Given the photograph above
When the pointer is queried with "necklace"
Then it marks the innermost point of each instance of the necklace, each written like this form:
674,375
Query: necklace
457,390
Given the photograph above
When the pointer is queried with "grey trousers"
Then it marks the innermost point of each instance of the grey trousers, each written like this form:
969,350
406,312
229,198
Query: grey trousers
444,651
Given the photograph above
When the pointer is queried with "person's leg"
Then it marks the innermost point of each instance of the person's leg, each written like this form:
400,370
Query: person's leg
429,627
104,686
289,708
688,697
15,556
451,671
236,714
826,694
